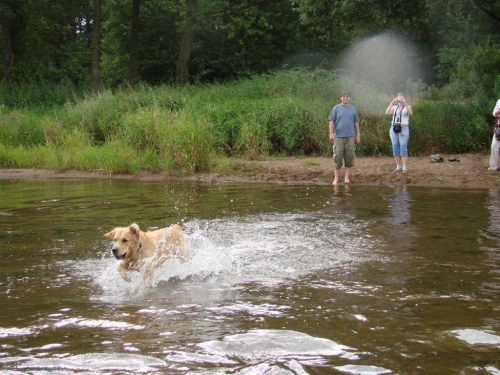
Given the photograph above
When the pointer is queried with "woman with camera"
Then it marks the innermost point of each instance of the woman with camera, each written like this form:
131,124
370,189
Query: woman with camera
400,130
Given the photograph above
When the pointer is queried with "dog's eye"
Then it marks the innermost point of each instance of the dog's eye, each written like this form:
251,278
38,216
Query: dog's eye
124,240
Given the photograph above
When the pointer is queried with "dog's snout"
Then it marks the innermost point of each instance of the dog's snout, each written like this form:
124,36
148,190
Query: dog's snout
116,253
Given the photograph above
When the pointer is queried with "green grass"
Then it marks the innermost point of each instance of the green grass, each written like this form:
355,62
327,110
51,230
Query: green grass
200,128
310,163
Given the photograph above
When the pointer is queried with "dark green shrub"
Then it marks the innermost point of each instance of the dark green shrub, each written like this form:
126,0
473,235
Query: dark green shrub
449,126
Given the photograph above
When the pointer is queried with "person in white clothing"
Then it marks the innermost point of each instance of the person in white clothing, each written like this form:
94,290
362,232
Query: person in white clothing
401,112
495,143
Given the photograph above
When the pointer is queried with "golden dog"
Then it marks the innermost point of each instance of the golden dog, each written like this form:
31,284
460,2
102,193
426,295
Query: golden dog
146,251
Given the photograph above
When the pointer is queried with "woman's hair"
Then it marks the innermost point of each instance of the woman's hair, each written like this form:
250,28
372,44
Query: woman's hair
400,94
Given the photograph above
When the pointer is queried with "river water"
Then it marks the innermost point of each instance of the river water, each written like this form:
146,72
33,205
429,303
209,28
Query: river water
284,279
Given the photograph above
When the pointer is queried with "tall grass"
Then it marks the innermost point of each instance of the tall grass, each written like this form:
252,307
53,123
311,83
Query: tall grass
21,127
185,143
189,129
40,96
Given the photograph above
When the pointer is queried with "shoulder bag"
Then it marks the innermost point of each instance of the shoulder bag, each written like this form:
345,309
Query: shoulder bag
396,121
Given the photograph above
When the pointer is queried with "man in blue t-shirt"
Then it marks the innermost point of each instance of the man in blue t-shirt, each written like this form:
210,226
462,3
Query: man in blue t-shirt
344,130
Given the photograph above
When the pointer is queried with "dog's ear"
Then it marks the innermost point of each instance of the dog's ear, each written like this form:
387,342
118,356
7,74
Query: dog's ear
134,228
110,234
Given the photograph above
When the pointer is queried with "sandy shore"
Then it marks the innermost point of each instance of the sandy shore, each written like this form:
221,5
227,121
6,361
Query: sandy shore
470,171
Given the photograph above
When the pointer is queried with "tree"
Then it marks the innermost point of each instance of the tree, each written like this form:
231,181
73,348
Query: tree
217,40
45,41
134,42
460,28
9,18
8,51
237,39
335,24
181,76
490,8
96,46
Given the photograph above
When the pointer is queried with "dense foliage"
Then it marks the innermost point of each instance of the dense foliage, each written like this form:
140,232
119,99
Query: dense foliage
45,42
124,85
166,41
197,127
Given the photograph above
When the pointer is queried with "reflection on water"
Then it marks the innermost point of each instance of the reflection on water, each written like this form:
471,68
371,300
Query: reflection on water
283,280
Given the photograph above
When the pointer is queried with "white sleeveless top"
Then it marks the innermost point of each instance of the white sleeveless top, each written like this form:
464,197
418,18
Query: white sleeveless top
402,115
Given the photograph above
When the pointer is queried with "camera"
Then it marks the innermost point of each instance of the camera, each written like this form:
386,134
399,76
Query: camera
398,101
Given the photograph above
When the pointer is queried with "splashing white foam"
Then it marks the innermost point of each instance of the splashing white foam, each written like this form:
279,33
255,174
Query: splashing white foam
13,331
266,248
97,362
265,344
363,370
477,337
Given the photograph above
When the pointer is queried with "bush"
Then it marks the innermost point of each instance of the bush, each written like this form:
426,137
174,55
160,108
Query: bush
6,159
21,128
140,128
375,139
253,142
41,95
185,129
449,126
186,143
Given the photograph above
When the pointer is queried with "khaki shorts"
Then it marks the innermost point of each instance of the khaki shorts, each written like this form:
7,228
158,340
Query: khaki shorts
343,151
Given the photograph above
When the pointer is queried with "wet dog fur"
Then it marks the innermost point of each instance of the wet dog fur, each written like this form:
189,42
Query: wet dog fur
146,251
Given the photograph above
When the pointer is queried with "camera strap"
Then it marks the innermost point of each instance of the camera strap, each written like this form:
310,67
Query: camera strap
395,114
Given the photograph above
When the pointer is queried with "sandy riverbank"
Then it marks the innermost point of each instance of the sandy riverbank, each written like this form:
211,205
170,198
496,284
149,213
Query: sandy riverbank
471,171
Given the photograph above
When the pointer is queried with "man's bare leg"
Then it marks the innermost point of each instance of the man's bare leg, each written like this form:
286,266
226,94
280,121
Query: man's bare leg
337,174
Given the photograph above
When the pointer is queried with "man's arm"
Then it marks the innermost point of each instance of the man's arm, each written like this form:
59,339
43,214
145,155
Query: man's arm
358,132
331,126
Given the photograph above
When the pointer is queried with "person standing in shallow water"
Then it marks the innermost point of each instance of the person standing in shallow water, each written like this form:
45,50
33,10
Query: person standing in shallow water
344,132
401,112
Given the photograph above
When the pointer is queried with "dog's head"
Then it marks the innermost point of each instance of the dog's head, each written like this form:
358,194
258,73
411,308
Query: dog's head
126,241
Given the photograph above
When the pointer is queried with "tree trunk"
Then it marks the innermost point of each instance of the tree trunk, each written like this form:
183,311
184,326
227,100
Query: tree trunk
489,13
134,42
181,76
96,46
8,51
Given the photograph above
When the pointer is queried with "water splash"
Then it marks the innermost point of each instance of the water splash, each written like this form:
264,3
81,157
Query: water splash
477,337
276,351
363,370
114,362
263,248
265,344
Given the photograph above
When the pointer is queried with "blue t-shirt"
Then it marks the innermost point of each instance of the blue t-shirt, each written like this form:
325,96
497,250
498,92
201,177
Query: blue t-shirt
344,117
